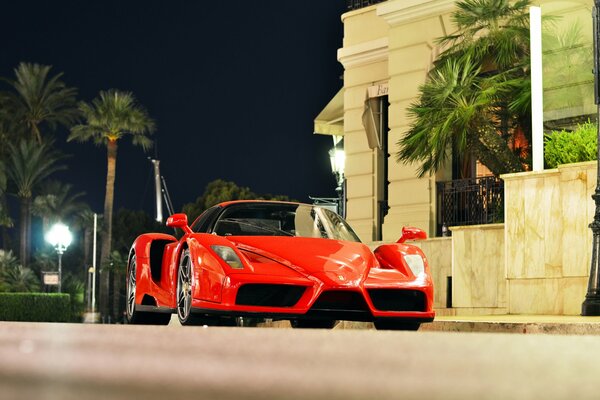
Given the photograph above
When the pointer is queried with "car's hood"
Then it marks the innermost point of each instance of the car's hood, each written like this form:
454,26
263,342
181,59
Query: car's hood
334,262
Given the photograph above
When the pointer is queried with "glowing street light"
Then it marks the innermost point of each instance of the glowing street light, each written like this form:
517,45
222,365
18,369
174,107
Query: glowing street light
337,156
60,238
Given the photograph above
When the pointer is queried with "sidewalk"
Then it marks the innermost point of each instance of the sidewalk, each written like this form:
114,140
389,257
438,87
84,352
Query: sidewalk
546,324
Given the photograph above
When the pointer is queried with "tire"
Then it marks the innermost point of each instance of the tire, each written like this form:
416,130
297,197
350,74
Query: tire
131,314
396,325
313,323
185,288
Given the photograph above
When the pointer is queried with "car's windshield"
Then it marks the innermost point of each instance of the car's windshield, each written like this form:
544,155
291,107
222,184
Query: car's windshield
271,219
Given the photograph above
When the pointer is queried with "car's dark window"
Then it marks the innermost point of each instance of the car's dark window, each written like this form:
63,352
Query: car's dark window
282,219
204,222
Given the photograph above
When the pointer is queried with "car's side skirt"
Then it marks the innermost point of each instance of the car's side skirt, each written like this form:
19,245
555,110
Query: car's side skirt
165,310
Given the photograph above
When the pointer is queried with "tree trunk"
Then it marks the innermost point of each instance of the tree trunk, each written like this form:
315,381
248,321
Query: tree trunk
5,223
23,233
87,243
29,241
111,150
117,309
494,153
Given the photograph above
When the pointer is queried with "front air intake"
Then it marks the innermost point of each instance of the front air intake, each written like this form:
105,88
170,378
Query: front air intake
398,300
266,295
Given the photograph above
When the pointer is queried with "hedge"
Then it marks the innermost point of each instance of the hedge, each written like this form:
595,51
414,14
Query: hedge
37,307
564,147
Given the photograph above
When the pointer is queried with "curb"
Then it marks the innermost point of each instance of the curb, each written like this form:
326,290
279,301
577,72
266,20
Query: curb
514,327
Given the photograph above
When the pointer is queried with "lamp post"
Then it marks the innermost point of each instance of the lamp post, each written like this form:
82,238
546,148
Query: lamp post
337,156
591,304
60,238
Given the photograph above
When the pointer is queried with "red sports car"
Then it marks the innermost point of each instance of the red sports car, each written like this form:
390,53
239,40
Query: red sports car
277,260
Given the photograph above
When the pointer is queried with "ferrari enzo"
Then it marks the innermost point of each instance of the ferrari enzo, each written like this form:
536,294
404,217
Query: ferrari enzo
276,260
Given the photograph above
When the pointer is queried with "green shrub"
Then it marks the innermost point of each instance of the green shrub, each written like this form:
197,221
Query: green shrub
564,147
39,307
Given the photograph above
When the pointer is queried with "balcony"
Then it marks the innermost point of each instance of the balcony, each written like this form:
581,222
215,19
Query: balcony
472,201
356,4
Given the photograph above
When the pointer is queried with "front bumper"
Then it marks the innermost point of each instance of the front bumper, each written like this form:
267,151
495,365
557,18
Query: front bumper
352,301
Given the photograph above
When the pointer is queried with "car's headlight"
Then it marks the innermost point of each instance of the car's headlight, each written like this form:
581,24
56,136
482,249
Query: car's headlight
415,263
228,255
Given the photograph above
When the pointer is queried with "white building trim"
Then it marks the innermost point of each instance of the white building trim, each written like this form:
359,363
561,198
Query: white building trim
364,53
399,12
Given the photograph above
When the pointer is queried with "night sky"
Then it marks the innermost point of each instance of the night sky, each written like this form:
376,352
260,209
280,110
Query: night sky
234,87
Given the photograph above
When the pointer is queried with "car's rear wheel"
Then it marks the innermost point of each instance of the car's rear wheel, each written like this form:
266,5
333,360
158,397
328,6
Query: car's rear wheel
313,323
396,325
132,315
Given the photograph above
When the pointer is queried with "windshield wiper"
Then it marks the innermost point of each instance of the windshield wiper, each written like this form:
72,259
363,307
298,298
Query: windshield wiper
258,225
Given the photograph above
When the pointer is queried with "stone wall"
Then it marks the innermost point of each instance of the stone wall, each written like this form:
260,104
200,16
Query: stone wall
438,251
478,272
548,242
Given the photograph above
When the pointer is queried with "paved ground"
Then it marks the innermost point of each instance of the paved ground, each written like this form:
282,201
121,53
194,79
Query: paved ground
69,361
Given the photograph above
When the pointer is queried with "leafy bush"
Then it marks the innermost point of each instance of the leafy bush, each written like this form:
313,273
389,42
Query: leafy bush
564,147
38,307
76,290
15,278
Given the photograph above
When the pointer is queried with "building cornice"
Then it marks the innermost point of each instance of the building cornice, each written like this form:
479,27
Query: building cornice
399,12
364,53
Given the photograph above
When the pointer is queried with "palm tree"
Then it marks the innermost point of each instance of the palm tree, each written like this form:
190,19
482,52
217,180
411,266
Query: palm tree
457,111
5,219
14,277
110,117
477,95
29,164
55,202
5,137
493,32
39,98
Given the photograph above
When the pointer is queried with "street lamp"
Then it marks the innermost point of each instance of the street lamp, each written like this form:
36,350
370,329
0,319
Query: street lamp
591,304
60,238
337,156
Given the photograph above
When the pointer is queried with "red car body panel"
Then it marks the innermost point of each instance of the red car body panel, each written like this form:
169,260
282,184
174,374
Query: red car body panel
315,264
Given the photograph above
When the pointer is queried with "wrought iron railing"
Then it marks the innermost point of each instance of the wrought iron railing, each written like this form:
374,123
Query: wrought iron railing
470,202
356,4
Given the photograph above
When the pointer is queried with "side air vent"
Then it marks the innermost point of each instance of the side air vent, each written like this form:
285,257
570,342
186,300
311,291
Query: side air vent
269,295
157,248
398,300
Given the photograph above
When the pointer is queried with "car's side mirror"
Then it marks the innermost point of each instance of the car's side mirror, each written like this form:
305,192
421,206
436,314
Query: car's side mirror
179,221
412,233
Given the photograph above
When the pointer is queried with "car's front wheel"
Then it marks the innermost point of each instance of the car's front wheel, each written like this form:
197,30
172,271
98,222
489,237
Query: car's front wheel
184,290
132,315
391,325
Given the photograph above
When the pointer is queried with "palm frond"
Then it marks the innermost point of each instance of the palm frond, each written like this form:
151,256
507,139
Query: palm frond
112,115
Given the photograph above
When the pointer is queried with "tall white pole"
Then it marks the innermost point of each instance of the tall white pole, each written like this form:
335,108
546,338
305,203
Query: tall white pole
158,190
94,266
537,88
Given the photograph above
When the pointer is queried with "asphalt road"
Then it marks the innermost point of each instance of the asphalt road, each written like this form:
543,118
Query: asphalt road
75,361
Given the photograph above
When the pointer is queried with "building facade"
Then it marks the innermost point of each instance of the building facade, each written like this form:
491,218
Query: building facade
388,49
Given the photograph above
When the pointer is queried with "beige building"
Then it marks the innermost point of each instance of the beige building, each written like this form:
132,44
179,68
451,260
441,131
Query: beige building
387,51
